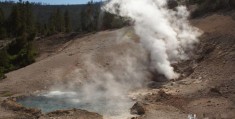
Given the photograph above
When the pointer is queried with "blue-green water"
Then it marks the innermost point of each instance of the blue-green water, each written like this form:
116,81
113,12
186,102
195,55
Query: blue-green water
61,102
49,104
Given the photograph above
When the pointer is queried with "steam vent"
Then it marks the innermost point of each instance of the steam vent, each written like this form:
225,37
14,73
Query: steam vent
117,59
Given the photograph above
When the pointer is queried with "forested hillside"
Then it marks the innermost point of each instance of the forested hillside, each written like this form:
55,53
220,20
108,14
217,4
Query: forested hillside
22,22
43,13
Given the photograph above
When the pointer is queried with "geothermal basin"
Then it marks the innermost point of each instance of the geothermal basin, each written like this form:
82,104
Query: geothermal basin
58,100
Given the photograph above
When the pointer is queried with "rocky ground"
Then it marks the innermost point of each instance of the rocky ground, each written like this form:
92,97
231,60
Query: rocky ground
206,89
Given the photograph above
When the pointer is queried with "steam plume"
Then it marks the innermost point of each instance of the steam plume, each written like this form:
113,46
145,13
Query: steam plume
165,33
104,88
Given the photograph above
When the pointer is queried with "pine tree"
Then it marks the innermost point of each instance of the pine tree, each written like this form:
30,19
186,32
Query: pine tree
45,30
83,20
56,22
52,24
14,24
30,25
59,21
108,18
4,59
21,19
4,63
2,25
87,18
20,25
67,21
1,17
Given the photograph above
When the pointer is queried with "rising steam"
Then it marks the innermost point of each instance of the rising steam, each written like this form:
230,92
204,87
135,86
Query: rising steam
105,90
165,33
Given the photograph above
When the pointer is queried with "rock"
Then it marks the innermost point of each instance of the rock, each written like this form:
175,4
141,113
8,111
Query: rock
3,77
172,4
138,109
154,84
11,104
163,94
59,113
215,90
158,77
188,71
135,118
232,3
72,114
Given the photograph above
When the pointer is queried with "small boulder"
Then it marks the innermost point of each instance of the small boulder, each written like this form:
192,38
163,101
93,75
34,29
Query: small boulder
138,108
215,90
172,4
11,104
154,84
232,3
162,95
72,114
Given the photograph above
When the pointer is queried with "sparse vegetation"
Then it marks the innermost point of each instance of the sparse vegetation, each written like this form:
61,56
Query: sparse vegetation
2,28
19,25
6,94
52,19
22,22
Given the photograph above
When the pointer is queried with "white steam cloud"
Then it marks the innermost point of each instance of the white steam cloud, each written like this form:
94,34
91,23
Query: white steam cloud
165,33
104,89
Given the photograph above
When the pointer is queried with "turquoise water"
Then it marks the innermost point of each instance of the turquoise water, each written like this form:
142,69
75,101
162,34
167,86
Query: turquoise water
52,103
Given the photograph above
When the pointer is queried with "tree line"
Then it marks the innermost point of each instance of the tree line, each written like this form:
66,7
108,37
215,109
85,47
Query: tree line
57,23
21,26
94,19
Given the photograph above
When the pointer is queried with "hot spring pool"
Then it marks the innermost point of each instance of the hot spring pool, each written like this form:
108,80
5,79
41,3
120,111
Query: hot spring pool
69,100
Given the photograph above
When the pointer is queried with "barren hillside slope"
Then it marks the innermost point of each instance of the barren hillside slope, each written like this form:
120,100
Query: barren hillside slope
207,90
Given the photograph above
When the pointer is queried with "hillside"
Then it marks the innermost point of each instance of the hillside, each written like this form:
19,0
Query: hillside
160,65
42,12
23,22
209,88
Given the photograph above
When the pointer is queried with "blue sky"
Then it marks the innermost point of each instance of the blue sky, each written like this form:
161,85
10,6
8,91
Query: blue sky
59,1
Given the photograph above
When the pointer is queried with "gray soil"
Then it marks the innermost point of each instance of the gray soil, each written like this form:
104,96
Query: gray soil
207,88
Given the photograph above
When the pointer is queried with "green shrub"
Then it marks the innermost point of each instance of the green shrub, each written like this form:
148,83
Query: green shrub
4,60
26,56
6,93
19,53
3,33
2,75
